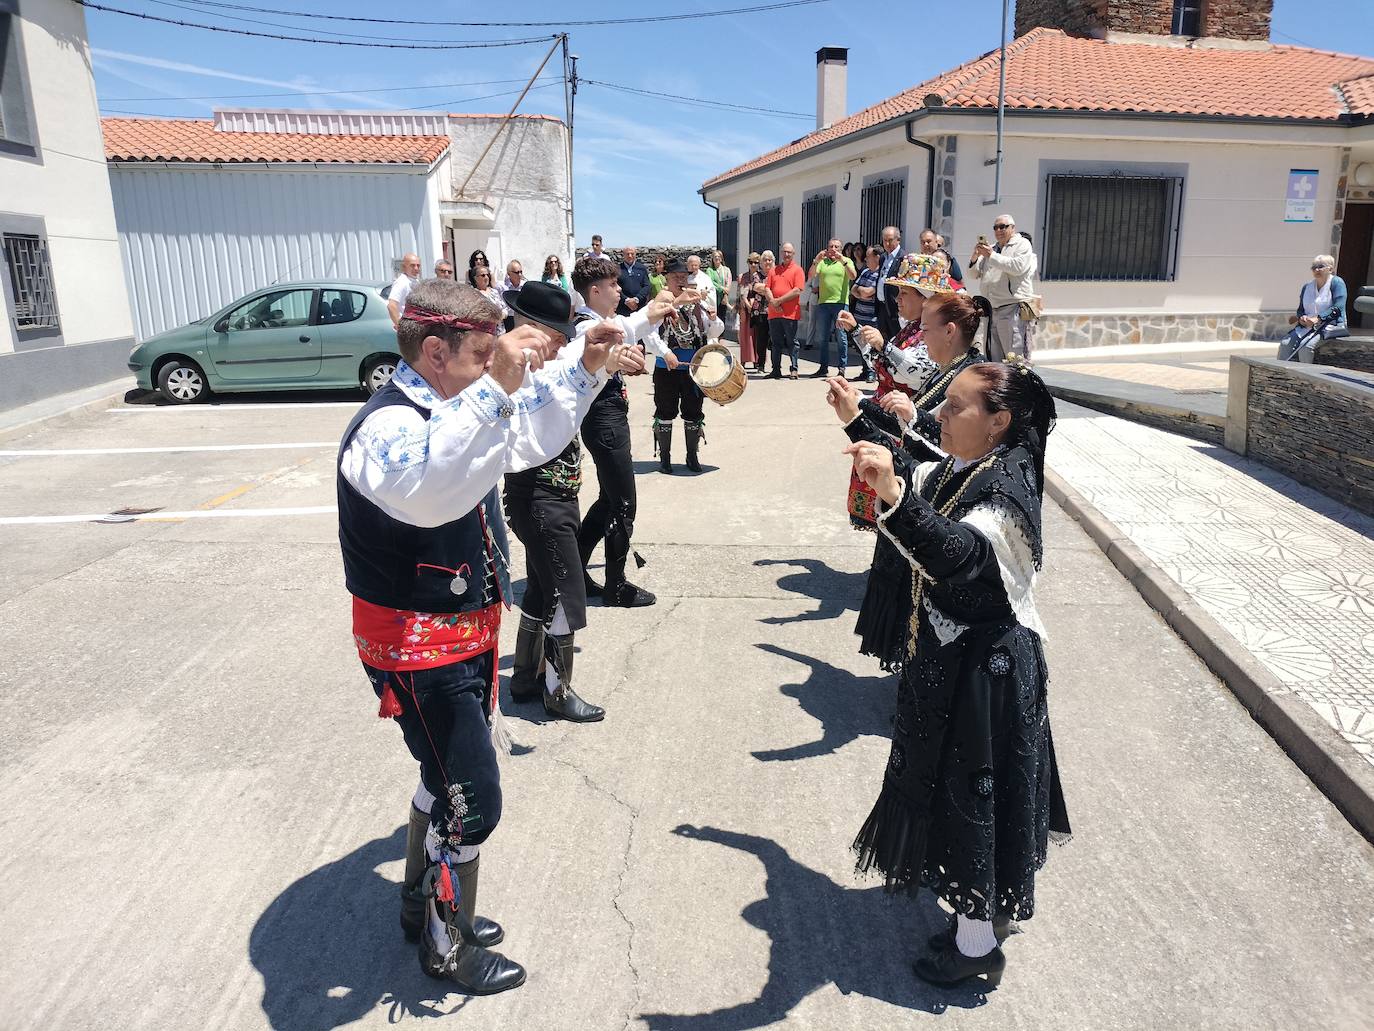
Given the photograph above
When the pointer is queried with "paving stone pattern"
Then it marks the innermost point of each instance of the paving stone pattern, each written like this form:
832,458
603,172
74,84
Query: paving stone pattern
1288,571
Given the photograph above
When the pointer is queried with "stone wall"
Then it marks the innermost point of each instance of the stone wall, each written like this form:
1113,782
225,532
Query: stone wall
1058,332
648,252
946,165
1313,431
1347,353
1226,19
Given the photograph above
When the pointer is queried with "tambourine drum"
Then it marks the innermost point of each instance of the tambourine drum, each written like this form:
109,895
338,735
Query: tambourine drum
719,376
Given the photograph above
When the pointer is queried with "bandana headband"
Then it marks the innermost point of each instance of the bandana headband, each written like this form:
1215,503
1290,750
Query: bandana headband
425,317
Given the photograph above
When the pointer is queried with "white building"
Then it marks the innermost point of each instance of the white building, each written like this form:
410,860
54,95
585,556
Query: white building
1177,176
64,312
210,209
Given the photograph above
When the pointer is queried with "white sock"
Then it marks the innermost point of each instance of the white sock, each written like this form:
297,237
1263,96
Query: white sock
974,938
558,628
438,930
550,679
422,800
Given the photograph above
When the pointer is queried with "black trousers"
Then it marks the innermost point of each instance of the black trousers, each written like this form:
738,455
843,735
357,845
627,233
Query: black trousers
606,437
887,321
758,325
674,391
444,722
546,522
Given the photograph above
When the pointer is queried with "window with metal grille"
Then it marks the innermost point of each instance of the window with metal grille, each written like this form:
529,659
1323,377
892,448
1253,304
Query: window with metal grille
1111,227
1187,20
35,301
727,240
818,223
881,205
765,230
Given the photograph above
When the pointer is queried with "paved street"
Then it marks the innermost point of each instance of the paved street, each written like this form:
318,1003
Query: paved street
201,817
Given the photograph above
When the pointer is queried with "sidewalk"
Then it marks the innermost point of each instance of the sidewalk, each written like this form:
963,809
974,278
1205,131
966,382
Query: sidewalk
1287,571
1177,393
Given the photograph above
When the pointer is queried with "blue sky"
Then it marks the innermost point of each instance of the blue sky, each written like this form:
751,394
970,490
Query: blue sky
639,160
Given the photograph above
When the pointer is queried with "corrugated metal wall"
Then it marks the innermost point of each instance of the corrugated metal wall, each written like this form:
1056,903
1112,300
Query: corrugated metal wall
192,241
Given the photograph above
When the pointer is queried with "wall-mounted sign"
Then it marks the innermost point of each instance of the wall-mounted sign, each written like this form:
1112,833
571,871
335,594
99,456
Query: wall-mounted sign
1300,205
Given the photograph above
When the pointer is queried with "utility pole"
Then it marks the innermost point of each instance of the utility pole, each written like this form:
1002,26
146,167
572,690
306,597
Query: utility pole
570,101
1001,112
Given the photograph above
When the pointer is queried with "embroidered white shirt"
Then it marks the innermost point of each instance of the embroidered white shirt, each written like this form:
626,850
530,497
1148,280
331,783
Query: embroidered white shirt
430,472
635,326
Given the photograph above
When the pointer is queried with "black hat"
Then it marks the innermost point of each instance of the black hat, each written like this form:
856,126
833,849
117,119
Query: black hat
674,265
544,303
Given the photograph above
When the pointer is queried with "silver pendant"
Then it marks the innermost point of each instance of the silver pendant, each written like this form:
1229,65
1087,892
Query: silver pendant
458,586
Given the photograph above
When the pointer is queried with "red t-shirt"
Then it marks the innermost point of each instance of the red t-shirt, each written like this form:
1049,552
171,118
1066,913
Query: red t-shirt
784,280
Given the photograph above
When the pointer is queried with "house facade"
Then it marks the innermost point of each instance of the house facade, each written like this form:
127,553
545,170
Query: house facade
64,311
210,209
1176,183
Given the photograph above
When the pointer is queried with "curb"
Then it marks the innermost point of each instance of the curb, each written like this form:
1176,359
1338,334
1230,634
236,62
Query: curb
105,400
1316,747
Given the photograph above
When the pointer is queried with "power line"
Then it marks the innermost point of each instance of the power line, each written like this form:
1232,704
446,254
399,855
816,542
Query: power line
696,101
642,20
309,93
281,24
420,107
472,45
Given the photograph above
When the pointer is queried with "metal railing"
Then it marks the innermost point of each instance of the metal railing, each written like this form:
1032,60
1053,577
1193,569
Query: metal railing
818,222
1111,227
35,300
765,230
881,204
727,241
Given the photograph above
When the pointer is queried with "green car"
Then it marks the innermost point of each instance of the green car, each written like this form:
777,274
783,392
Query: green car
290,336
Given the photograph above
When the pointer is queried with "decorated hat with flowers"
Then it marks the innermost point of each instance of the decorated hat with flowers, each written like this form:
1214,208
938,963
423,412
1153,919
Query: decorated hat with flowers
928,273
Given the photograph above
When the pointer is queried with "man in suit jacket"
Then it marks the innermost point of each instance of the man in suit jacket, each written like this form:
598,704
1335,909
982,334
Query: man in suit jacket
887,295
634,282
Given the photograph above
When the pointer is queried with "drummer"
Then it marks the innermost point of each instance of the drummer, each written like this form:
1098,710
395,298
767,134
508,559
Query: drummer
687,328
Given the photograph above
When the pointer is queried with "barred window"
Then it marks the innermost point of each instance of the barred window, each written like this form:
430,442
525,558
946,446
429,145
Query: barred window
881,205
1111,227
765,230
727,241
30,271
818,223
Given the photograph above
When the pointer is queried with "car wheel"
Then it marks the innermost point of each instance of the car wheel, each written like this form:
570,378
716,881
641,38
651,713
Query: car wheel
377,373
182,382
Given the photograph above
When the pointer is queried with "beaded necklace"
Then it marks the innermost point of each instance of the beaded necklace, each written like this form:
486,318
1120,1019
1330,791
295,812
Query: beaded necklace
919,575
941,381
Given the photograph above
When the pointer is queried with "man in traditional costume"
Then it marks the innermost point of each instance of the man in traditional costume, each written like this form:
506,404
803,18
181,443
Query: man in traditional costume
425,559
541,504
687,329
606,433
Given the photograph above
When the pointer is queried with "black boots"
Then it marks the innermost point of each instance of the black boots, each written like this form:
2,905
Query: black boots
663,445
488,932
527,676
564,702
696,436
475,969
626,595
949,968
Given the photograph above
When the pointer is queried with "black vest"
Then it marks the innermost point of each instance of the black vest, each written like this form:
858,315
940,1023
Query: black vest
457,567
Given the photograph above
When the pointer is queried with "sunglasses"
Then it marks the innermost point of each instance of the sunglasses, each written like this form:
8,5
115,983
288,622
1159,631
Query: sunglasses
1318,268
1002,225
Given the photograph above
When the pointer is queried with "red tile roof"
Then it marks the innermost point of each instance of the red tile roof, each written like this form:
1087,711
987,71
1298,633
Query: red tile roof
195,139
1359,95
1051,71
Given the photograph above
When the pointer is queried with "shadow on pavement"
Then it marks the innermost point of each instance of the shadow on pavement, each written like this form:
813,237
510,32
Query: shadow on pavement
330,948
847,707
154,398
820,933
679,467
836,592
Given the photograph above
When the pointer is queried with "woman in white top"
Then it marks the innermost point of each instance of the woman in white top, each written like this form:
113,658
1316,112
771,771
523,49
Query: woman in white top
1322,295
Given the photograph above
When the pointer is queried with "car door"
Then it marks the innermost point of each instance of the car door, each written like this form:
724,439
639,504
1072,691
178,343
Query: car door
269,338
347,337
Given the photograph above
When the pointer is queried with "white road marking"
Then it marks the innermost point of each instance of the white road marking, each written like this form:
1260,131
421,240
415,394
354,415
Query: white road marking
58,452
144,409
154,517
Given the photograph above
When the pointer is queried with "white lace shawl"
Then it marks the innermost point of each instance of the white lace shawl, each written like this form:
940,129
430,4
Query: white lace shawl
1014,561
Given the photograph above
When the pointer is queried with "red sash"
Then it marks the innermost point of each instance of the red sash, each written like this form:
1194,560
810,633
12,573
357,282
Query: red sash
394,639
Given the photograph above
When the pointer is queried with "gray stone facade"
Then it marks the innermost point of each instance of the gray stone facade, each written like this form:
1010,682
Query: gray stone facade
946,164
1058,332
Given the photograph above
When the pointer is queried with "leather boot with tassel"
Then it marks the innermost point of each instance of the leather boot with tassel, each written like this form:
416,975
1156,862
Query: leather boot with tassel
663,445
564,701
696,436
527,676
461,960
488,932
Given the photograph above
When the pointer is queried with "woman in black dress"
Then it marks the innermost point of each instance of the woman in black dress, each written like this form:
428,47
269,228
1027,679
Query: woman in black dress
971,796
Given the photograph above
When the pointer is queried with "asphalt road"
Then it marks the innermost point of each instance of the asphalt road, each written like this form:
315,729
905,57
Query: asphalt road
201,817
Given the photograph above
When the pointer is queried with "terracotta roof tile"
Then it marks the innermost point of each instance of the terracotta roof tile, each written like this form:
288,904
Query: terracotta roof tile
1051,71
195,139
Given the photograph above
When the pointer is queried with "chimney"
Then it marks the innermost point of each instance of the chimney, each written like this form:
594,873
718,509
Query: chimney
832,68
